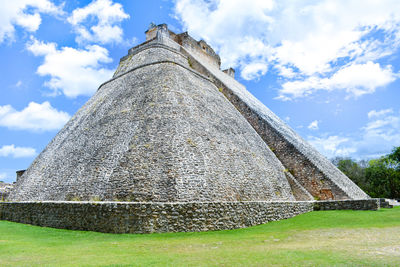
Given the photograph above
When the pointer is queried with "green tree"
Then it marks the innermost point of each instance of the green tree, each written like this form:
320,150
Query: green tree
355,170
384,177
378,177
395,156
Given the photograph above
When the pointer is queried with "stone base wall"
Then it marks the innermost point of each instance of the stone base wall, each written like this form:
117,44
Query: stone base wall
362,204
384,203
135,217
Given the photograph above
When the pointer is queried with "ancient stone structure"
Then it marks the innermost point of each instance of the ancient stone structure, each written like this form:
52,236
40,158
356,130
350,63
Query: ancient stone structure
150,217
19,174
131,217
350,204
171,127
5,189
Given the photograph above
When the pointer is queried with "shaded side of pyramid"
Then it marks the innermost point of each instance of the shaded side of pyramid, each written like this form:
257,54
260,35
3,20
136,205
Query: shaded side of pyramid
157,132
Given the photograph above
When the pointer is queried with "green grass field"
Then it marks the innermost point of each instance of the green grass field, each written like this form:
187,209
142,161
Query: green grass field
322,238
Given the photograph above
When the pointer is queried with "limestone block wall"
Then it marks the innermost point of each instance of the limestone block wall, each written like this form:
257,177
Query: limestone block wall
148,54
200,48
358,204
130,217
384,204
298,191
5,189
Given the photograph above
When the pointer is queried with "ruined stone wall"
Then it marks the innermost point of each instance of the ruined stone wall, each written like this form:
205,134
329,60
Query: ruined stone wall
134,217
199,48
129,217
5,189
362,204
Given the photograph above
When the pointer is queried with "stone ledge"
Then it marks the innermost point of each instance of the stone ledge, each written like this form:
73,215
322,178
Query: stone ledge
353,204
140,217
136,217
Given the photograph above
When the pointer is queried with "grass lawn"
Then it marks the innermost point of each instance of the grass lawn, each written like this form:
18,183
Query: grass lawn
323,238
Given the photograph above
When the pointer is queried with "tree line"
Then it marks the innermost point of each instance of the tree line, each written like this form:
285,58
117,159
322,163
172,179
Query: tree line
379,178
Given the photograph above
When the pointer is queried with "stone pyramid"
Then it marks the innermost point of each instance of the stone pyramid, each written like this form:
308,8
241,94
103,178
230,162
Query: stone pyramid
170,126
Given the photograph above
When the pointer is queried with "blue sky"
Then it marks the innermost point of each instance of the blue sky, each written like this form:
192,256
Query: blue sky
330,69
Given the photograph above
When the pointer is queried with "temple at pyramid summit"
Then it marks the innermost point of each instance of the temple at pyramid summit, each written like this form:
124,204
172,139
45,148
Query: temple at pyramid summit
173,133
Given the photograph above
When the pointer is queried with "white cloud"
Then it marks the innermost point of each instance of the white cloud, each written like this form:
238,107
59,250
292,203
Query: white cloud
35,117
308,43
7,175
313,125
332,146
107,17
73,71
356,80
374,113
254,70
236,28
373,140
18,84
16,12
16,152
284,71
377,125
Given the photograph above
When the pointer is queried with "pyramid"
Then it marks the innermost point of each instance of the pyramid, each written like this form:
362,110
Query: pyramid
170,126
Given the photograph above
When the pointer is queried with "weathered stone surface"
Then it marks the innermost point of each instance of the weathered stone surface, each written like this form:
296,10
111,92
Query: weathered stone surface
5,189
129,217
298,191
350,204
158,131
311,169
386,203
185,146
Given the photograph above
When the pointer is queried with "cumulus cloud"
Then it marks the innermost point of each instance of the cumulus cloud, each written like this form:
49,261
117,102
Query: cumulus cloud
72,71
332,146
237,29
313,125
24,13
16,152
356,80
35,117
380,134
379,113
377,125
312,43
254,70
99,22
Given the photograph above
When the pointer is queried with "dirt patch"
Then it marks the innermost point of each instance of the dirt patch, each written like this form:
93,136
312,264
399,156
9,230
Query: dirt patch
362,243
